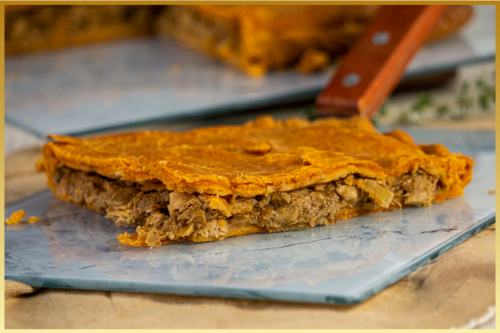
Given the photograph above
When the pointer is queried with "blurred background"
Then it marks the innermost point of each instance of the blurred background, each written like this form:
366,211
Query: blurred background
87,70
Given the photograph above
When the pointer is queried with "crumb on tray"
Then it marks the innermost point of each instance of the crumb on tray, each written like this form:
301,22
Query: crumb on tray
16,217
33,219
313,61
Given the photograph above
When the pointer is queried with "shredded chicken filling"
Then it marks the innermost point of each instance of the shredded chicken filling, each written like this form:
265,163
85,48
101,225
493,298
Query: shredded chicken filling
163,215
236,41
217,37
32,26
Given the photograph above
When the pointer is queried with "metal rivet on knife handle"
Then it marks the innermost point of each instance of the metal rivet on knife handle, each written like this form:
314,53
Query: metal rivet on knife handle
381,38
351,80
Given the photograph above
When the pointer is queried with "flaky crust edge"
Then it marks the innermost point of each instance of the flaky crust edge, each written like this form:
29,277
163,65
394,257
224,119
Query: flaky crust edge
454,171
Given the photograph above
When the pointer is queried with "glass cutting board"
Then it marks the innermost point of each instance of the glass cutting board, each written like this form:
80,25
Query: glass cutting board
73,247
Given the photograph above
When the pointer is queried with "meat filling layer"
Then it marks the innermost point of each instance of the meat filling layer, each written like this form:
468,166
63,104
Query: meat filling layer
162,215
44,24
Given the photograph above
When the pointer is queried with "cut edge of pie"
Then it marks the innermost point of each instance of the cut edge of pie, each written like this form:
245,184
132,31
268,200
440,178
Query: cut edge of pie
217,182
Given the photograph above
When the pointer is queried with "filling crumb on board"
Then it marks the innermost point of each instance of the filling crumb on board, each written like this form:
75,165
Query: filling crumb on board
33,219
18,216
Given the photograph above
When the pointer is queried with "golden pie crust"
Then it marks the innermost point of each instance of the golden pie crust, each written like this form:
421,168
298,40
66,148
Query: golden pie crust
259,38
233,174
258,158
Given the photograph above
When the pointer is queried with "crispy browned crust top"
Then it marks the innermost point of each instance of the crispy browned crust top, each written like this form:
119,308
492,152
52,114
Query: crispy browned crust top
260,157
275,17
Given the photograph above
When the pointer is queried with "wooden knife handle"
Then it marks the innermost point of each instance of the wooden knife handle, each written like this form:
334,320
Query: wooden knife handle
375,64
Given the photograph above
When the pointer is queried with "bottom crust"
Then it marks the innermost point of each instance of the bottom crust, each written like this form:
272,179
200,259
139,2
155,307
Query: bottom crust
164,216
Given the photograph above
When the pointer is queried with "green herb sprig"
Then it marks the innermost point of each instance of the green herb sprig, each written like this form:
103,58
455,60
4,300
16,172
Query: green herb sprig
481,94
310,113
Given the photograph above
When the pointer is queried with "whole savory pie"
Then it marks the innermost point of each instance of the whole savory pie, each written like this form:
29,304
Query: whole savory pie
268,175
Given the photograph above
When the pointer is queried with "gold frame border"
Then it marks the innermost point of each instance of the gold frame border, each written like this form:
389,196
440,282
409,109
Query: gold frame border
2,97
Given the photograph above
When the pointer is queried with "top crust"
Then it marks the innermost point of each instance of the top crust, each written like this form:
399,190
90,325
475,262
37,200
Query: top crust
282,18
259,157
274,37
